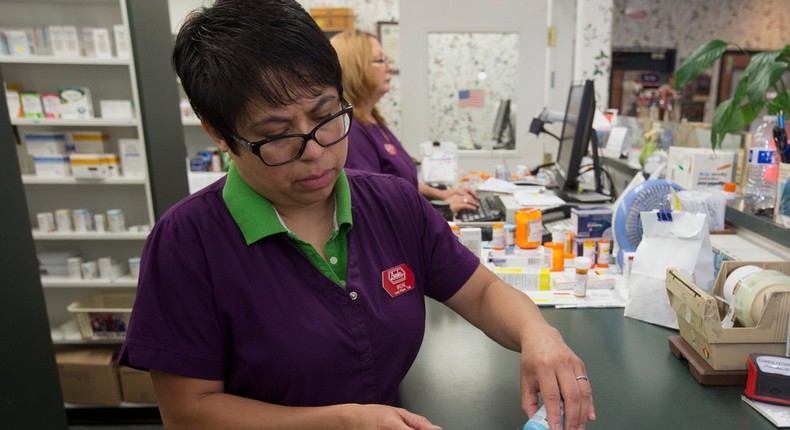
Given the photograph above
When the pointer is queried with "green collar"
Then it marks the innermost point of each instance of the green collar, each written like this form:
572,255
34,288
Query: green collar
255,215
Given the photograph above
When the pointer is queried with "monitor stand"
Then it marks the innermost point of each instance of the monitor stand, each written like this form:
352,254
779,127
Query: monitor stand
582,197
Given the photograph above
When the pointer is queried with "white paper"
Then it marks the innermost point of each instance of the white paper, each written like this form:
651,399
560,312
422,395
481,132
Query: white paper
498,186
778,415
532,199
616,298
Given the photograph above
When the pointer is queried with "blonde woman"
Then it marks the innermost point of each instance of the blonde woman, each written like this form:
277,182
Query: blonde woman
372,146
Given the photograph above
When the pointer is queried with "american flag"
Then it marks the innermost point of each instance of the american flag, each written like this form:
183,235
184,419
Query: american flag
475,98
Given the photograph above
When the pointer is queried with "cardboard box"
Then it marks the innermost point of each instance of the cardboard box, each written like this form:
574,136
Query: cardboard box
87,142
782,207
75,103
49,166
89,377
333,18
591,223
44,144
700,315
136,386
121,38
698,168
132,160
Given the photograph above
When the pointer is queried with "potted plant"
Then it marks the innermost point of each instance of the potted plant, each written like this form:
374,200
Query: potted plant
763,76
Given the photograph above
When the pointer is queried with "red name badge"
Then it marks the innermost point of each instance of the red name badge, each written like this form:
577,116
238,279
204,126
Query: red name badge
397,280
391,149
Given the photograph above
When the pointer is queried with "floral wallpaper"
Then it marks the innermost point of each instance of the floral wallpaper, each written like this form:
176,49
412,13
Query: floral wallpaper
594,48
752,24
483,64
366,14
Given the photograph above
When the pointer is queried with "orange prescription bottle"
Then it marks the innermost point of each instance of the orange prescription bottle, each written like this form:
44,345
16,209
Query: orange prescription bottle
555,256
529,228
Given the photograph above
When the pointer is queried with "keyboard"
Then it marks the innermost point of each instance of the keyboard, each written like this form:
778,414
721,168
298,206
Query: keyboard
491,209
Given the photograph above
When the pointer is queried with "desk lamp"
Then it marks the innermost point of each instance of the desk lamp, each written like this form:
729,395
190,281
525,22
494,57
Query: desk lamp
536,127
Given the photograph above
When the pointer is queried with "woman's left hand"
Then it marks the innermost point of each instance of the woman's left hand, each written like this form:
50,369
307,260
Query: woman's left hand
550,367
460,199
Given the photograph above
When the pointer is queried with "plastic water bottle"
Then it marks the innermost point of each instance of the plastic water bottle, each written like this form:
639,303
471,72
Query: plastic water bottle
540,421
762,169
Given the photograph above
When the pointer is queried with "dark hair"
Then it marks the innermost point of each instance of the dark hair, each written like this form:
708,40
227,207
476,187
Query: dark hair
238,53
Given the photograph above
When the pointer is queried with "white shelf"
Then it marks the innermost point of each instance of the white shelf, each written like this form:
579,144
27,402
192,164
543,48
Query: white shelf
91,235
86,342
122,405
48,59
66,282
88,122
70,180
190,121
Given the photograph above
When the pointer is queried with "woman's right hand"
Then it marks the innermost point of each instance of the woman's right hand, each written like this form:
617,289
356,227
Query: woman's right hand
380,417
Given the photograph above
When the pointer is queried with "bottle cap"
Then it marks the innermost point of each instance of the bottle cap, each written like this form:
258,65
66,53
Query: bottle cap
729,187
582,262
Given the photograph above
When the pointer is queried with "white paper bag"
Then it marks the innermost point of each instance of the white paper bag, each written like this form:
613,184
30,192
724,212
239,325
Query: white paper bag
675,239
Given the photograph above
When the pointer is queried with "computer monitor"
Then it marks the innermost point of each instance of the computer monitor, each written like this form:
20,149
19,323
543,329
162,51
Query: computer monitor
577,134
503,133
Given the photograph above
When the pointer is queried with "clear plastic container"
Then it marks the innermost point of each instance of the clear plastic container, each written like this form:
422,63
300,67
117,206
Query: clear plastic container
762,169
540,420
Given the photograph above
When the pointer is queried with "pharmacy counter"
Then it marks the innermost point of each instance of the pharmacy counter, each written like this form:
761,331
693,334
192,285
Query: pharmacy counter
462,380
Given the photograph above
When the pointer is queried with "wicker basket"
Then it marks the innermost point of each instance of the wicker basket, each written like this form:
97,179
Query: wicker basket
103,316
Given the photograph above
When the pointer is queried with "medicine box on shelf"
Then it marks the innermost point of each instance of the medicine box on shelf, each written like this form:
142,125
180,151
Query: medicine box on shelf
333,18
700,317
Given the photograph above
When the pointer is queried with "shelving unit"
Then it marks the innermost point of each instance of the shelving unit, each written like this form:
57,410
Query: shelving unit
143,199
196,139
107,78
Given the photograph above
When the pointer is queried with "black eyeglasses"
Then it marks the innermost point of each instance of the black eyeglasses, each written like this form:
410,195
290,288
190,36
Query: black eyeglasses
285,149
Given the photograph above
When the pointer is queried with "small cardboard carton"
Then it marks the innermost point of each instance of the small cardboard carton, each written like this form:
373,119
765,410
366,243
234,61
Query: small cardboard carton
88,377
136,386
700,316
333,18
699,168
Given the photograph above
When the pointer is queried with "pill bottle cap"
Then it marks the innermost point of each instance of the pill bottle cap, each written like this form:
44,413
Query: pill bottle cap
729,187
582,262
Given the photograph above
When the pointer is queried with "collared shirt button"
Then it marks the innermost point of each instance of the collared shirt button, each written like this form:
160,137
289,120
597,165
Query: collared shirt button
333,260
367,357
353,295
343,283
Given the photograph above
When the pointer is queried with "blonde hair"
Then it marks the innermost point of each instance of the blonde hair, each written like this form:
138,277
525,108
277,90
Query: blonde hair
354,53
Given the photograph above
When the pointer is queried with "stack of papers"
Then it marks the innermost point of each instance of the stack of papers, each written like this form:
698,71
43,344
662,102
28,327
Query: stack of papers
778,415
594,299
530,198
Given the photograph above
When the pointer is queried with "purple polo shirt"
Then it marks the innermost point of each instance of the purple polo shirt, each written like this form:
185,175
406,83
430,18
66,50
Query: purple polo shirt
268,323
374,148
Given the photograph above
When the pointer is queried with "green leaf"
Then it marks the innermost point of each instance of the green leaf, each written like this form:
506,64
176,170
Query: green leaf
728,118
699,61
764,69
781,103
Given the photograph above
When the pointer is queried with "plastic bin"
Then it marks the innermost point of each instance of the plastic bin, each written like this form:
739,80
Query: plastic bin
103,316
